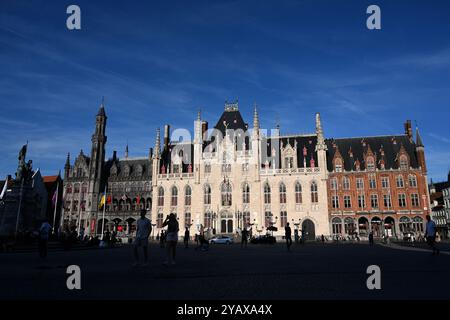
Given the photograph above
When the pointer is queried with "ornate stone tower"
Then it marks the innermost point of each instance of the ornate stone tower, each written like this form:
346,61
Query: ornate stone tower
98,151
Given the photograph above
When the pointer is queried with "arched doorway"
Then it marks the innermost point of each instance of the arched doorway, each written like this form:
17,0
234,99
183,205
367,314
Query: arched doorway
363,225
308,230
226,222
376,226
389,227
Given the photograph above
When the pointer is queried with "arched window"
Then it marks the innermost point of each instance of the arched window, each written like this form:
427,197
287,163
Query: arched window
338,165
174,198
246,193
266,193
370,164
345,183
298,193
314,194
412,181
77,188
225,191
207,194
160,196
333,184
187,196
282,193
69,188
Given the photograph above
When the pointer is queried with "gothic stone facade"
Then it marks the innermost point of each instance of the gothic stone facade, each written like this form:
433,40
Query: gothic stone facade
232,176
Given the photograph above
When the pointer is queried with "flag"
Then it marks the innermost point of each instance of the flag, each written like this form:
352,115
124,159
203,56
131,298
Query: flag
109,199
138,199
54,198
102,201
5,187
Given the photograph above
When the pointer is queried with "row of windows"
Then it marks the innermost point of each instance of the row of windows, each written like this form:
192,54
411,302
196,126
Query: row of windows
387,203
412,182
226,194
76,188
403,164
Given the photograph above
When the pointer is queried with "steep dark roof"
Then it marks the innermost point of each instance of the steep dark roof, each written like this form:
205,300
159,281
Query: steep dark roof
133,164
308,142
359,146
233,120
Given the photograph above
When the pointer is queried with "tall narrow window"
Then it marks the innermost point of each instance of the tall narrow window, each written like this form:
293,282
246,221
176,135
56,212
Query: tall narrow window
347,202
188,196
160,196
298,193
226,194
314,193
207,194
415,200
335,202
282,193
187,219
333,184
374,201
412,181
246,193
400,182
402,200
174,198
283,218
267,194
345,183
403,162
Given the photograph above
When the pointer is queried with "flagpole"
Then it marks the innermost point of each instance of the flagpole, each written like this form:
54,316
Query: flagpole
56,206
103,217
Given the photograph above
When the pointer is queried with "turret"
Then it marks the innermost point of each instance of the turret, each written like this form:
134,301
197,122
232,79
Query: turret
420,150
67,166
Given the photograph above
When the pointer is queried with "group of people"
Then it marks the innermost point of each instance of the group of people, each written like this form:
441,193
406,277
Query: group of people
170,238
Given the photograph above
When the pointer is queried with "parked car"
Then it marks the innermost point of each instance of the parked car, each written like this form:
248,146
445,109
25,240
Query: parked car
221,240
266,239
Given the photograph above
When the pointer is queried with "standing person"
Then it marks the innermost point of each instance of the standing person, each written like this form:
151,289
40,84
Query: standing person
430,234
186,237
162,238
323,239
44,232
244,239
196,239
143,230
171,238
288,236
371,238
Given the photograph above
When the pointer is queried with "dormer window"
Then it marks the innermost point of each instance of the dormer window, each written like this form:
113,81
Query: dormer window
370,164
338,165
404,162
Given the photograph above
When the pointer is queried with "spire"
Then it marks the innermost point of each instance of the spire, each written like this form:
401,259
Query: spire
157,143
126,151
101,110
67,165
199,115
418,138
319,131
255,118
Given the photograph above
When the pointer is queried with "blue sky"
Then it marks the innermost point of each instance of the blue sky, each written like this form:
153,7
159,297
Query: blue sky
157,62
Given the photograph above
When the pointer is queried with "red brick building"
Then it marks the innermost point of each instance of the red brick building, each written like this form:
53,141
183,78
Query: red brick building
377,184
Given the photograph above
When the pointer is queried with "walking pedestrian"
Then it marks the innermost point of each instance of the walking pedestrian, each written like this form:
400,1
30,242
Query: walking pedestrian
430,234
323,239
162,239
144,228
288,236
371,238
44,232
171,238
244,236
186,238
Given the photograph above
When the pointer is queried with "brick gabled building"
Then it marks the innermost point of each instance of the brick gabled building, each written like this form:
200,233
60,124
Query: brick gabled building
377,184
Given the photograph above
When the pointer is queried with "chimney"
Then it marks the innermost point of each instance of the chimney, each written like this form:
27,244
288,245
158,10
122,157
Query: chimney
166,136
408,129
204,128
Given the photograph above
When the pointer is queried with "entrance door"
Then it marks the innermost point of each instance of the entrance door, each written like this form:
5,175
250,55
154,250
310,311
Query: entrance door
230,226
223,226
309,230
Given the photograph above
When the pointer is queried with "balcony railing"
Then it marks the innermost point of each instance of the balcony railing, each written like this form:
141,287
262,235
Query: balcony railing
171,176
289,171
